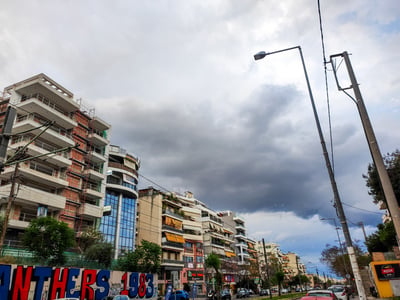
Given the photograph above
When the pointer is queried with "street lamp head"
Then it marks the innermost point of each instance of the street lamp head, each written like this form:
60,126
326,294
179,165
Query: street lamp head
260,55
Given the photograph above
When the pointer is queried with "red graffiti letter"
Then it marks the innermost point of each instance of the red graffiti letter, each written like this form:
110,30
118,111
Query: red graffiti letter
88,278
21,287
57,284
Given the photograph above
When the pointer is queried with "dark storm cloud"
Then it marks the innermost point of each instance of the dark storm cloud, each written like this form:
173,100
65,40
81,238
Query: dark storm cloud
234,161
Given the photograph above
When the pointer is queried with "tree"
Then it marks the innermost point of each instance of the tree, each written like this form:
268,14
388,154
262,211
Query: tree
48,238
89,237
278,278
339,263
213,261
146,259
383,240
392,164
101,252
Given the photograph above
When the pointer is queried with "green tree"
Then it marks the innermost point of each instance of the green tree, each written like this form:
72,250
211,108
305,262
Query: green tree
278,278
383,240
146,259
89,237
392,164
48,238
101,252
213,261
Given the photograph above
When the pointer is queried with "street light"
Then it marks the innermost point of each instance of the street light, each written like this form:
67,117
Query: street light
338,203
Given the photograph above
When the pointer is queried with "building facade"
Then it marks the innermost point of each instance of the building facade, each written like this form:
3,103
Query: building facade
161,221
63,167
119,225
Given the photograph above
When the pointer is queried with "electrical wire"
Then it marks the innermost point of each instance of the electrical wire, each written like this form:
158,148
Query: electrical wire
362,209
326,86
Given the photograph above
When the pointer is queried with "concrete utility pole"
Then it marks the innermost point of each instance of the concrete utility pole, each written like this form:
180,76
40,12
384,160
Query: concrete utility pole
372,143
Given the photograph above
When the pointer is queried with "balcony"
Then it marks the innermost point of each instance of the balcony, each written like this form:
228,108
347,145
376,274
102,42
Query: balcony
240,236
91,210
38,173
193,237
172,245
242,245
99,124
39,104
117,185
168,212
171,228
92,191
240,227
55,135
94,174
60,159
172,262
95,156
29,195
97,139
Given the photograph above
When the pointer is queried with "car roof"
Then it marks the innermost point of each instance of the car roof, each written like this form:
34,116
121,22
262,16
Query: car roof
315,297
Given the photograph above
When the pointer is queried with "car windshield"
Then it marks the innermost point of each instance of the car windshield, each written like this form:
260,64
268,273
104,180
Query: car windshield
320,294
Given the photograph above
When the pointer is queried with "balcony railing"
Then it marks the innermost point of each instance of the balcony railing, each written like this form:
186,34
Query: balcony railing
35,118
47,102
171,228
172,244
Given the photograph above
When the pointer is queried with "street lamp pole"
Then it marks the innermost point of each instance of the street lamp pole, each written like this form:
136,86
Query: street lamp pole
338,203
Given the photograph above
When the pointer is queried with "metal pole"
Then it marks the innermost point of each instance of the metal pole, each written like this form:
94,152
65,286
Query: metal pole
374,149
338,203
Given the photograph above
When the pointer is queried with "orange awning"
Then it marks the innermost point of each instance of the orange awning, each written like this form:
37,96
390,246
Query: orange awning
230,254
174,238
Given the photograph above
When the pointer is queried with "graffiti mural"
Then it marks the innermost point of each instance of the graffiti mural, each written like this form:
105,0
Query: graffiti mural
48,283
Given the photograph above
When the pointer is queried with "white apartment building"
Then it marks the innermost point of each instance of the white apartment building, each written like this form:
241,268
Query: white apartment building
67,185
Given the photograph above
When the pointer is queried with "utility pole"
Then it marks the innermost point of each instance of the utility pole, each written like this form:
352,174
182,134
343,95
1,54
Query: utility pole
363,229
372,143
8,209
267,270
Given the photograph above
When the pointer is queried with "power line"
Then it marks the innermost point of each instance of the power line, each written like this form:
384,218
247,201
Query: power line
326,85
363,209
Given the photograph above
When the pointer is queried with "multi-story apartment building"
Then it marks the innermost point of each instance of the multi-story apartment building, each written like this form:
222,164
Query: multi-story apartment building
161,221
119,226
193,255
67,185
237,225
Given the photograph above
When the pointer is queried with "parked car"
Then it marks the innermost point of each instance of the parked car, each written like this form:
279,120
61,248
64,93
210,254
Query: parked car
226,294
316,298
284,291
179,295
340,291
264,292
241,293
321,293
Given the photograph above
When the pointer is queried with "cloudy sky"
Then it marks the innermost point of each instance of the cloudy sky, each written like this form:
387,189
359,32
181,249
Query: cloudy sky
178,83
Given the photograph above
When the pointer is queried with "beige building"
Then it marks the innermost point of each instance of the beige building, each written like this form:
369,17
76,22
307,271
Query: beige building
160,220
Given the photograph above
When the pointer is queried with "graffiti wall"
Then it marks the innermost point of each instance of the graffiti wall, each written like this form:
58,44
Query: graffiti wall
48,283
